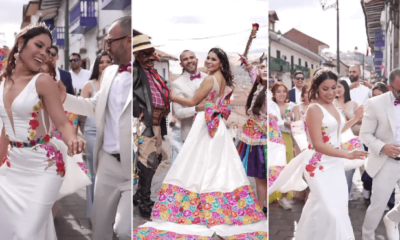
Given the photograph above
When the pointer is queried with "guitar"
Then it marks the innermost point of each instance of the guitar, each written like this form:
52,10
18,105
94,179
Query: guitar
243,57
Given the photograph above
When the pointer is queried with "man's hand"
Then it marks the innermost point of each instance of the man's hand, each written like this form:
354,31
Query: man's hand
367,84
355,85
392,150
63,91
201,106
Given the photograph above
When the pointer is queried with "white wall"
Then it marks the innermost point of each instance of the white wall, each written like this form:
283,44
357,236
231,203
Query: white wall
162,67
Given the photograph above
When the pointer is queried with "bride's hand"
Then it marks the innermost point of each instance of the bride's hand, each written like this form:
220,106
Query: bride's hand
358,154
76,146
172,96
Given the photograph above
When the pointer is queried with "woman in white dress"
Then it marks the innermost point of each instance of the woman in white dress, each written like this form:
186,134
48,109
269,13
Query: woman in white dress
206,191
325,214
33,171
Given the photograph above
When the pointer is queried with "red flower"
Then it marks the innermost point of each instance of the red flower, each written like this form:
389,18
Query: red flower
34,115
321,167
33,142
207,206
212,222
19,145
46,138
196,220
312,174
310,168
181,220
34,123
8,164
326,139
309,146
70,122
4,160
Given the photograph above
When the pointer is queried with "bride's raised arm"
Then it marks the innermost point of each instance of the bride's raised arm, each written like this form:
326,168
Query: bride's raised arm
48,90
200,94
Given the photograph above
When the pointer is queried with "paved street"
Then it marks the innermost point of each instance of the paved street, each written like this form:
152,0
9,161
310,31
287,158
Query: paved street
282,223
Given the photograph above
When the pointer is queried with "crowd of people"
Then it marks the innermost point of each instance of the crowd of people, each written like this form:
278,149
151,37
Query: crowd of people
206,190
41,141
329,127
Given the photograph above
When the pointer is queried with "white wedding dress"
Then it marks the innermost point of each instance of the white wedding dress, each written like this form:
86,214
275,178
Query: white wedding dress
35,172
206,190
325,215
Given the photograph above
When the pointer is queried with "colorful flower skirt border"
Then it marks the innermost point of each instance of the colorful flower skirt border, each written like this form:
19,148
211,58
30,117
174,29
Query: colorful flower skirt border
152,233
177,205
248,236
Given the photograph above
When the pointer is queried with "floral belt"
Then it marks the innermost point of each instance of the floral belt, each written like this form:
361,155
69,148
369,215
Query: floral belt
42,140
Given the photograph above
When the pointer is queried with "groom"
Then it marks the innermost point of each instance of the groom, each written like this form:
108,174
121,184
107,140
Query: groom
380,130
112,109
186,85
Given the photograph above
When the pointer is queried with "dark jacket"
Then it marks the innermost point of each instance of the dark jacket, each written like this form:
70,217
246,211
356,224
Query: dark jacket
142,100
67,80
292,95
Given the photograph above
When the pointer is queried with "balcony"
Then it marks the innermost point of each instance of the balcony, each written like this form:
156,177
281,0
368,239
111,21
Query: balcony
59,36
276,64
115,4
305,70
82,17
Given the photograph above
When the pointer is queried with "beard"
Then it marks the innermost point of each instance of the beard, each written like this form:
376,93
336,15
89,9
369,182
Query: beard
353,79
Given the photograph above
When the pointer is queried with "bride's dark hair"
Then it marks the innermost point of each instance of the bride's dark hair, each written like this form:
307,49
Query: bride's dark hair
319,77
226,70
260,101
31,33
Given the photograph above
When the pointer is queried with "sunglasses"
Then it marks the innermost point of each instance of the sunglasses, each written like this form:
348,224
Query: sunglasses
110,40
74,60
53,54
271,81
300,79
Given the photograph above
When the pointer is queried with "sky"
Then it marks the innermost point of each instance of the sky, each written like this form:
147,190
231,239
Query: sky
182,19
11,15
317,23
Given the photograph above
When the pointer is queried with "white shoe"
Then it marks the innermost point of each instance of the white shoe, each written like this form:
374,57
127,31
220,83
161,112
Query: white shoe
392,230
285,203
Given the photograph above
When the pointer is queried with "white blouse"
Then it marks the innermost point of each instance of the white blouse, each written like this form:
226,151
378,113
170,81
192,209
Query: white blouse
273,109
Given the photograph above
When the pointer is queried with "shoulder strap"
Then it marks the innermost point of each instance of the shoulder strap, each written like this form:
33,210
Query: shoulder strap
93,87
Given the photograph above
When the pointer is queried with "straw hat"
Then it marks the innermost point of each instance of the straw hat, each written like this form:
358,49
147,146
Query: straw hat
141,42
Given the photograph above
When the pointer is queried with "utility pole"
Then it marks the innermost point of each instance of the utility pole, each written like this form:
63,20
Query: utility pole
66,36
335,5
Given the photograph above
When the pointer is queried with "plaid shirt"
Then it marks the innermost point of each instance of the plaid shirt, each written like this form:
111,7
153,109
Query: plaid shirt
156,96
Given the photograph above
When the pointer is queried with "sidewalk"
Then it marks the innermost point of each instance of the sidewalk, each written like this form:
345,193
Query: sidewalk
282,223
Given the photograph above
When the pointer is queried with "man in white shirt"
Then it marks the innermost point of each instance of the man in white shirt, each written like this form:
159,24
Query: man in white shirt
295,93
380,131
79,76
112,155
186,85
360,90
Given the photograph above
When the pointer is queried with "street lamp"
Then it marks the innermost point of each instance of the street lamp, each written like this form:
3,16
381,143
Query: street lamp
325,7
363,65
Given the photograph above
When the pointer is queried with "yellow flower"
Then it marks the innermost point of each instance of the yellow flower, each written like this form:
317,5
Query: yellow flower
346,145
188,221
210,199
32,134
207,214
219,210
258,208
246,220
192,195
178,197
186,205
227,220
276,135
164,186
242,203
164,215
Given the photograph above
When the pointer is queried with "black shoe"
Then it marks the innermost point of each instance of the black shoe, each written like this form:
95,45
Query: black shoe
145,209
265,210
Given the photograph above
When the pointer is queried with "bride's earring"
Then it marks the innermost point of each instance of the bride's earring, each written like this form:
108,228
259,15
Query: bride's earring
16,56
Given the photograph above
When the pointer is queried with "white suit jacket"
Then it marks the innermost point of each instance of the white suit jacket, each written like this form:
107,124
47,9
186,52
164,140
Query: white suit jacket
97,107
377,129
183,86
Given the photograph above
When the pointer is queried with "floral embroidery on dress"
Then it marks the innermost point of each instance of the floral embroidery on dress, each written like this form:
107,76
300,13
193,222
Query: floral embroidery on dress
5,161
315,160
34,123
273,174
175,204
353,144
72,119
273,131
85,169
212,95
248,236
55,157
213,113
152,233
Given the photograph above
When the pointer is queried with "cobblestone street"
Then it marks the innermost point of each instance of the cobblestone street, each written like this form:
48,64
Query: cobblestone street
282,223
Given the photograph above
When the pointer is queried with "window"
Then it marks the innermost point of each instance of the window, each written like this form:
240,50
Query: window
163,73
278,54
306,64
299,61
312,66
291,62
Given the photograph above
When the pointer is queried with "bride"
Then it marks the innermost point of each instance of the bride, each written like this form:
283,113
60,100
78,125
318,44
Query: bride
325,214
206,191
34,168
